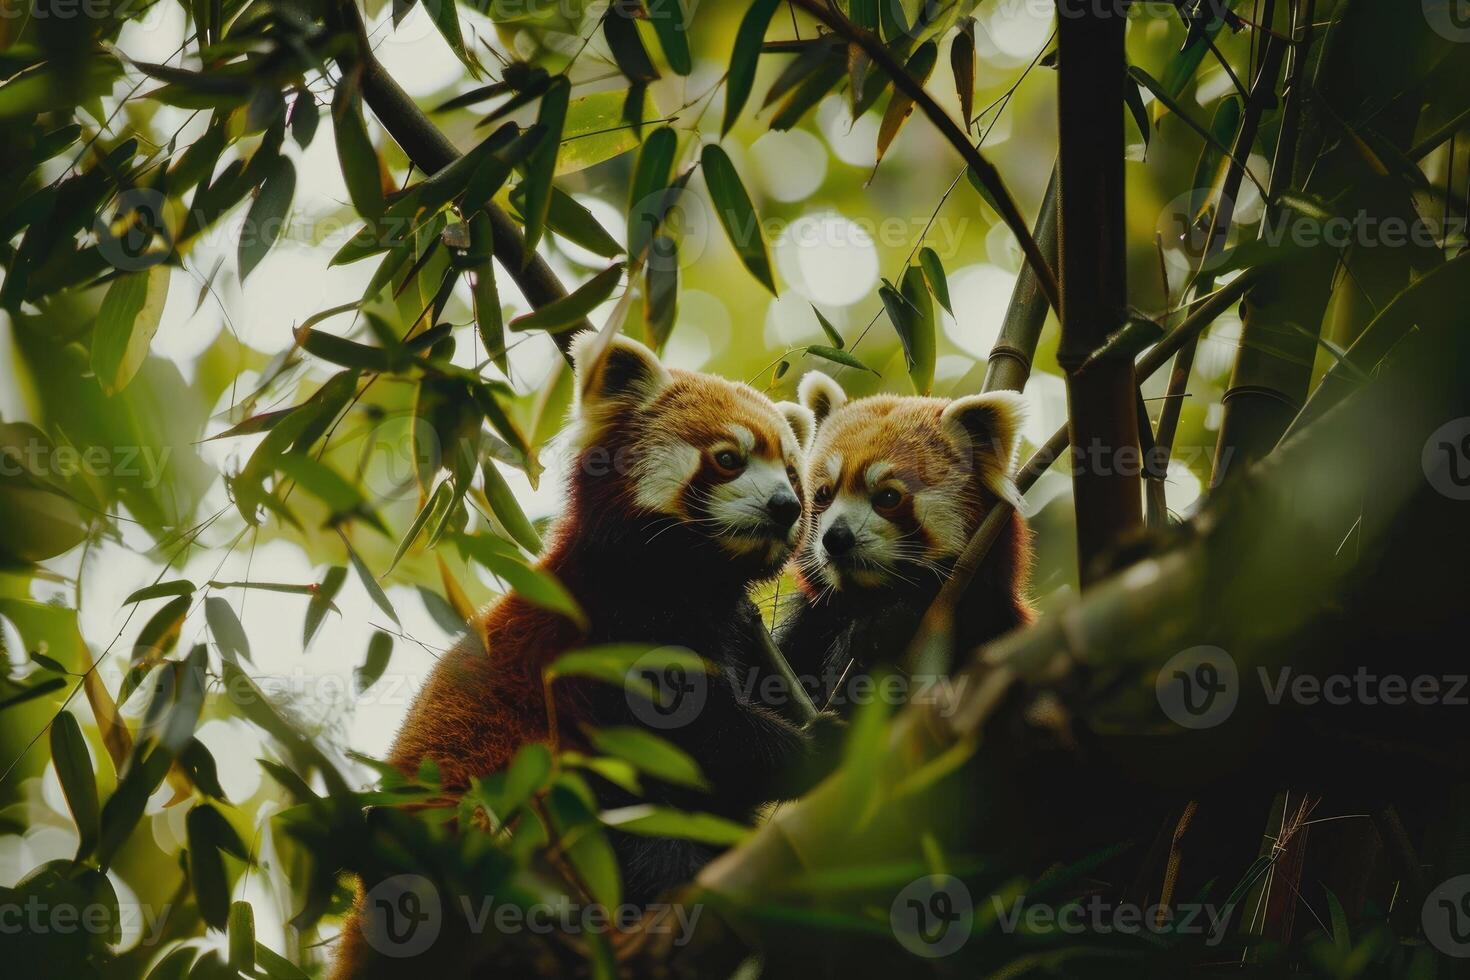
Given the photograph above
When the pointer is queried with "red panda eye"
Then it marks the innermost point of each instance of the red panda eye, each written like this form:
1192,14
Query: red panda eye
887,498
729,461
823,495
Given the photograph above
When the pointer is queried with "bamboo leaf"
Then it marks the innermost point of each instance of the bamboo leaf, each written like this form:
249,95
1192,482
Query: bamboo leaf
1133,96
661,290
920,65
650,754
380,649
672,27
242,916
737,214
541,165
126,322
355,153
962,66
267,216
658,821
374,590
74,771
828,329
837,357
621,32
436,504
532,584
507,509
174,587
745,56
934,273
648,194
567,312
321,603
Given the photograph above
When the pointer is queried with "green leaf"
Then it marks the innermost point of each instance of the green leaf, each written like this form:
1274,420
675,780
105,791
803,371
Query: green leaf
158,590
626,45
380,649
567,312
322,482
275,966
1170,103
650,754
536,586
124,808
597,129
37,690
912,315
661,290
648,194
208,834
267,216
507,509
541,166
355,152
436,504
962,66
321,603
614,663
672,27
242,932
159,635
1182,66
583,843
374,590
919,66
447,21
934,272
126,322
837,357
748,39
658,821
737,214
74,770
489,318
569,219
1133,96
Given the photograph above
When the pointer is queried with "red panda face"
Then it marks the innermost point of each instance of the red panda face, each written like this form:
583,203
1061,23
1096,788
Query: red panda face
896,485
714,456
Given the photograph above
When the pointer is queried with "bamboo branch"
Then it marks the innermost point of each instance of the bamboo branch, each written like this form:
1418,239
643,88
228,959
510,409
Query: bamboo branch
431,151
983,170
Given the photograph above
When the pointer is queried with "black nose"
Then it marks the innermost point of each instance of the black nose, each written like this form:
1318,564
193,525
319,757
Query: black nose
838,540
784,509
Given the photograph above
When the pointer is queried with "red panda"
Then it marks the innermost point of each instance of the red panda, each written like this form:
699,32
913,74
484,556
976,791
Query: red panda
685,491
896,487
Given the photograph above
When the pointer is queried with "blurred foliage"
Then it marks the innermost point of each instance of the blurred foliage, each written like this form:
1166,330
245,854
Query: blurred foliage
238,320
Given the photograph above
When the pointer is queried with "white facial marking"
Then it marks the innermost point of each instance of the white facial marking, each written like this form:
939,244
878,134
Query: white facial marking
740,504
660,475
877,541
743,437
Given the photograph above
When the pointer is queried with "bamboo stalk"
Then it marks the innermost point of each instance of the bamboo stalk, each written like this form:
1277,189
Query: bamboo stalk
1009,365
1102,401
940,614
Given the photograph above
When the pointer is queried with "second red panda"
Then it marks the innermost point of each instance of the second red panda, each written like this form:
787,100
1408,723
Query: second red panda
896,486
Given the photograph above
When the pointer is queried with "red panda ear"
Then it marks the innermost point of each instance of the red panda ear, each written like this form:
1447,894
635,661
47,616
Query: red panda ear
623,371
990,426
820,394
803,423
